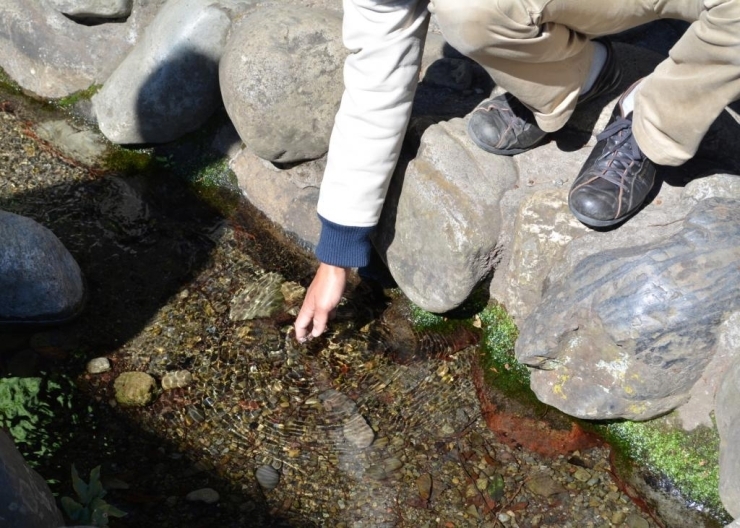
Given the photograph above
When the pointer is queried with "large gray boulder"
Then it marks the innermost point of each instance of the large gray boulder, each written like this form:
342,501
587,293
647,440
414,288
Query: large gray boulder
40,282
281,80
441,220
168,85
52,56
288,197
630,331
25,498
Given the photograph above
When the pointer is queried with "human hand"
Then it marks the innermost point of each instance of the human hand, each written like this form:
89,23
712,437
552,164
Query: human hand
322,297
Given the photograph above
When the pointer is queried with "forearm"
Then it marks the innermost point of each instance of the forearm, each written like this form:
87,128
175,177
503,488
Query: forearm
380,75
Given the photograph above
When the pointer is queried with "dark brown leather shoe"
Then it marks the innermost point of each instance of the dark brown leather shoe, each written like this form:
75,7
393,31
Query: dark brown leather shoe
616,178
503,125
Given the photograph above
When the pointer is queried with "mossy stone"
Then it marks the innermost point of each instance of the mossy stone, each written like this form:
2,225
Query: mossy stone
134,389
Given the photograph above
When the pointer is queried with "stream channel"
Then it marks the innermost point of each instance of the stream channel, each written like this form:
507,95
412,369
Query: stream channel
356,428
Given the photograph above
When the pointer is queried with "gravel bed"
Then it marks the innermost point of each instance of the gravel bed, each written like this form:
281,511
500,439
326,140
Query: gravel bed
340,432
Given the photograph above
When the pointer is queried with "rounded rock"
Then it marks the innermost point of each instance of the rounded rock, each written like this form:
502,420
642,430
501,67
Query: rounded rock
281,80
357,431
98,365
134,389
267,476
40,282
206,495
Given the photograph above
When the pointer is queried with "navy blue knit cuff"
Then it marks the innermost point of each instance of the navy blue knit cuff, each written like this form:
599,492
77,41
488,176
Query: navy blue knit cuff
345,246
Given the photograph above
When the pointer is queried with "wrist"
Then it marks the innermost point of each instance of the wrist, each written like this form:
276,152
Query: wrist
344,246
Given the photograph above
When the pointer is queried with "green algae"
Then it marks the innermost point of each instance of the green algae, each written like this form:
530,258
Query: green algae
81,95
502,370
8,84
129,162
687,459
444,323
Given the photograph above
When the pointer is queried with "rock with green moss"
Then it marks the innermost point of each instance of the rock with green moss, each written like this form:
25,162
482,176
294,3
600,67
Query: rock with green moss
134,389
674,471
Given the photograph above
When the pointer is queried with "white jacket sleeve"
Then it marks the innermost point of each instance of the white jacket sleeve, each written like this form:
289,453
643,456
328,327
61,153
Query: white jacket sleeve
386,39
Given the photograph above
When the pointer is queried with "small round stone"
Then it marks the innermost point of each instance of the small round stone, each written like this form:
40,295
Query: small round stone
207,495
98,365
267,476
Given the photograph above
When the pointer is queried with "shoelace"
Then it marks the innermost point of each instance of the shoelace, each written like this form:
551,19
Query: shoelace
616,159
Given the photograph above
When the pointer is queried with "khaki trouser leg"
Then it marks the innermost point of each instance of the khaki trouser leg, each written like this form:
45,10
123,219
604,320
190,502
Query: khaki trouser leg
540,50
678,102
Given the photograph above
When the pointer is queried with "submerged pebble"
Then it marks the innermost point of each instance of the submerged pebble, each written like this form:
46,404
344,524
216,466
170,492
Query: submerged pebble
98,365
267,476
176,379
207,495
357,431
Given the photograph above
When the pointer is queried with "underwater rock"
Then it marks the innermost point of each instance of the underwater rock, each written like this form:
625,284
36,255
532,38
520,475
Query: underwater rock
262,298
206,495
358,432
267,476
134,389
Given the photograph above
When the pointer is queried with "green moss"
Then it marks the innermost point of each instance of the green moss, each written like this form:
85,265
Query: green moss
6,83
129,161
688,460
502,369
464,314
212,179
70,100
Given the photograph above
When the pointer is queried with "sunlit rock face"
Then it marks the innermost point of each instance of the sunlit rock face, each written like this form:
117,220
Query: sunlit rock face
630,331
728,419
51,55
168,84
281,80
94,9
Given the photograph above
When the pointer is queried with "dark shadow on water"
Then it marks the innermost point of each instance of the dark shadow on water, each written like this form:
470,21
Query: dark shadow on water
139,240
